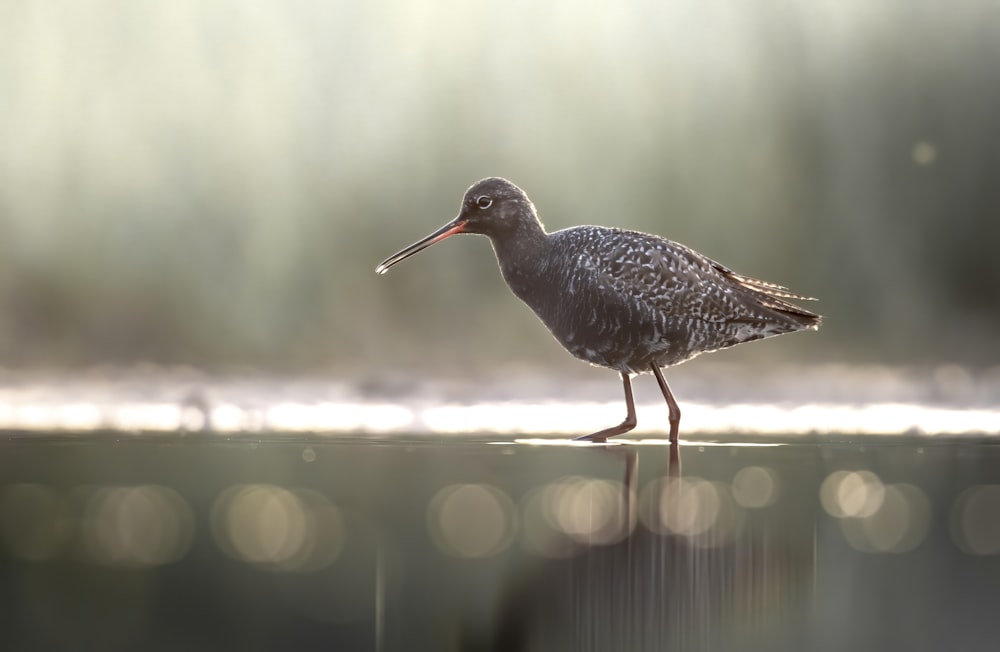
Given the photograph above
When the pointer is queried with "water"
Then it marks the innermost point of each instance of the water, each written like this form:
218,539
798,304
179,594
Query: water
117,541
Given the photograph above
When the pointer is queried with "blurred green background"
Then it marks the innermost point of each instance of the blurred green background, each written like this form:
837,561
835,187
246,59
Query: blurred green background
213,183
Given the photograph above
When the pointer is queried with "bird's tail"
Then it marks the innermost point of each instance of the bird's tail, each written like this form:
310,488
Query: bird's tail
778,298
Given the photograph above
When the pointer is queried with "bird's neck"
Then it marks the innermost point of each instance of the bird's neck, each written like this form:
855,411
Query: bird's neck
522,256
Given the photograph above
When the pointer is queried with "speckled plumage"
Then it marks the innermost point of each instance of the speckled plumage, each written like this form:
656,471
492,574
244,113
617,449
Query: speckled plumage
626,300
620,299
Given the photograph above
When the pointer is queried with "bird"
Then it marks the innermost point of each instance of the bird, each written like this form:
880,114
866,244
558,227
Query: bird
629,301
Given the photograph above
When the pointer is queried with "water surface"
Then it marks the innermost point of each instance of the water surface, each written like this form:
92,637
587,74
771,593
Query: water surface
112,540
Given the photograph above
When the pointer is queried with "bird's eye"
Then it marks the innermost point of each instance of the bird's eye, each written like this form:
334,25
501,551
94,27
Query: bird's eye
483,202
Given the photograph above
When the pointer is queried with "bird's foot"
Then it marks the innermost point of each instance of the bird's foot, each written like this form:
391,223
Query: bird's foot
601,436
595,438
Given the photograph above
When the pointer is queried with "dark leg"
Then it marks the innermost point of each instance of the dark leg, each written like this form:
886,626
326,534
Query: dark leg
675,410
601,436
628,491
674,461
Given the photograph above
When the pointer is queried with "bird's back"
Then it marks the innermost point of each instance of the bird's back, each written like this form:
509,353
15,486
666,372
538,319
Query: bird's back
626,300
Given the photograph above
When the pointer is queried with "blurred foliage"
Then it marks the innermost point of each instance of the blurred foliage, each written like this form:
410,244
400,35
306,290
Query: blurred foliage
213,184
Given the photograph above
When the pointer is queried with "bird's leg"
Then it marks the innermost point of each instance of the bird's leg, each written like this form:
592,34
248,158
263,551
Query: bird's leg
675,410
601,436
673,462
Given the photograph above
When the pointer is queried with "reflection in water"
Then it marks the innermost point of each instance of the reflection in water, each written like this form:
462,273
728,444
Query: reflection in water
278,528
852,494
654,592
689,573
755,487
876,517
35,520
471,520
660,592
130,526
590,511
899,524
309,544
975,520
146,525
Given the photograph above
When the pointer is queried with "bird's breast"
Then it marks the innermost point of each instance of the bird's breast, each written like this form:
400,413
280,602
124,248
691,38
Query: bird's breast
590,320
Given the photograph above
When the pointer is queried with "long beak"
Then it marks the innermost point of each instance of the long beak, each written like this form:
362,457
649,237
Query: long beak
457,225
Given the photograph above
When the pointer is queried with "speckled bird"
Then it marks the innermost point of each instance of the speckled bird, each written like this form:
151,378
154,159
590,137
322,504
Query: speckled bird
620,299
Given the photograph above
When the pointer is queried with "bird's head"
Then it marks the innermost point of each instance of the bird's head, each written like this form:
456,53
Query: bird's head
492,207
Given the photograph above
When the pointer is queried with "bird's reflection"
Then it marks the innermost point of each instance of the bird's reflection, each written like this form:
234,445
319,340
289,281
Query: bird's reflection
658,590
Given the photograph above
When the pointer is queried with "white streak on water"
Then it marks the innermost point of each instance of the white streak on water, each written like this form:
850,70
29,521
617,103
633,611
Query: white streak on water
504,418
